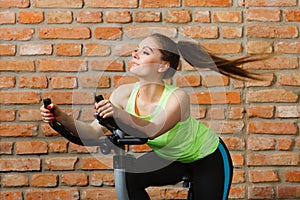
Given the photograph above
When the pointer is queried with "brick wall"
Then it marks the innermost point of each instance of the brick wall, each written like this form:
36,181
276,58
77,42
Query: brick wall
70,50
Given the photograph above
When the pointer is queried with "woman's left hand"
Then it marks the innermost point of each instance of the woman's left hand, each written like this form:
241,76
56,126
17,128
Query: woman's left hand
105,108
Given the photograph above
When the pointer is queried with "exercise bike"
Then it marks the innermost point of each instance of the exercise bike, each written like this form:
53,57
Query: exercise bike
117,141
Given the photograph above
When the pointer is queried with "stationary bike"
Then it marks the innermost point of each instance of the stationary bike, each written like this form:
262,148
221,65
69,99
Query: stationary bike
117,141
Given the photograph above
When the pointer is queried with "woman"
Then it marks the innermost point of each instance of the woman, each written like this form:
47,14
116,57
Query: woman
181,144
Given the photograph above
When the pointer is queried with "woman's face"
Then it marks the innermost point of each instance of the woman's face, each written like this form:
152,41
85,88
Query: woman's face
146,58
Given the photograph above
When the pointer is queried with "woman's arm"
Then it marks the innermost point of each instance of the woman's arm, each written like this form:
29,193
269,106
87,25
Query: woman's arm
78,128
177,109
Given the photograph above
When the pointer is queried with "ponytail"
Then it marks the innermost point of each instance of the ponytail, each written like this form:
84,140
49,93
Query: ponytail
196,56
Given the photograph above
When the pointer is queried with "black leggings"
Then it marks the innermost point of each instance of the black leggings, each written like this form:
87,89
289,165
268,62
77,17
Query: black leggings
211,175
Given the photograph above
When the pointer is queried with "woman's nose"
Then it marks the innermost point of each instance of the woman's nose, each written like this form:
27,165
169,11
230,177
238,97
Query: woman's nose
135,54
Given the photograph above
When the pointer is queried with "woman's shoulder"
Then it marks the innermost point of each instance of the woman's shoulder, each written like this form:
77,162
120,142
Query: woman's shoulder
121,94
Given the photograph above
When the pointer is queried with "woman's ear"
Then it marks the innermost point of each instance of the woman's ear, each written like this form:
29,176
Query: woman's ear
163,67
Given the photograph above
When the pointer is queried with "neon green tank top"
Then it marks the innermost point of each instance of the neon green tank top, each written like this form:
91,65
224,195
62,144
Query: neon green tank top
186,142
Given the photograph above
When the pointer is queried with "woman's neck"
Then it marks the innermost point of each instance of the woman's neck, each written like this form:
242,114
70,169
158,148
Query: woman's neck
150,92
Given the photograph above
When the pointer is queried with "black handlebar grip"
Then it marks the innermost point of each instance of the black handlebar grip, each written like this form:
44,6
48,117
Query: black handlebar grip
47,102
99,98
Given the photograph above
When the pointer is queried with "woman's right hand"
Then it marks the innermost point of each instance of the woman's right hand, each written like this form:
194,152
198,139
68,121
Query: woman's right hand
47,114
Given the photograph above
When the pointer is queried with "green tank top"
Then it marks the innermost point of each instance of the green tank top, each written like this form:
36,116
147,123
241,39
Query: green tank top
186,142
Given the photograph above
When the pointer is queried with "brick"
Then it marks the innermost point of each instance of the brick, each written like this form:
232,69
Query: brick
225,127
35,49
287,47
99,193
14,180
108,33
7,17
236,113
96,49
292,15
95,81
238,160
19,98
261,192
188,81
89,16
74,179
62,65
261,143
18,130
118,17
288,192
22,34
198,113
111,4
227,16
147,16
29,114
234,143
140,148
107,65
11,195
75,32
262,176
95,163
33,82
275,95
58,4
142,31
277,128
68,49
263,15
17,65
58,147
177,16
292,79
74,148
7,81
238,177
121,80
266,3
215,80
14,3
70,194
31,17
237,192
292,176
20,164
124,49
285,144
102,179
44,180
7,49
6,148
59,17
216,113
263,31
223,48
7,115
204,3
231,32
63,82
207,98
35,147
204,32
274,63
275,159
259,47
202,16
70,97
160,4
60,163
288,111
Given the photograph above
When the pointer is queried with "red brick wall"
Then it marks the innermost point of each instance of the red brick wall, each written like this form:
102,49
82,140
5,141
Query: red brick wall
70,50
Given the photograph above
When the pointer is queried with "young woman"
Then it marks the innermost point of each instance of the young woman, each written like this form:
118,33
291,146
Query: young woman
181,144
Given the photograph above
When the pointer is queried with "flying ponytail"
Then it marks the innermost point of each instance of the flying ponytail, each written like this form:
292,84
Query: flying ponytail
197,57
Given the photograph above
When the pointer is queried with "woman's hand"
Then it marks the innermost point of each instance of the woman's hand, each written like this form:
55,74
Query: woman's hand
48,114
105,108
